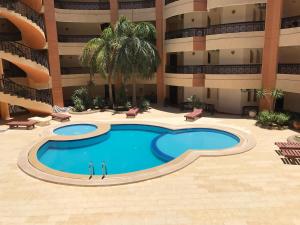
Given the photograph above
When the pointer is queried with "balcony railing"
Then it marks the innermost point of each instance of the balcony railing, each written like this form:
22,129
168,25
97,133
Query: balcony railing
236,27
10,36
188,32
12,88
169,1
15,48
290,22
76,38
289,68
24,10
11,70
137,4
82,5
217,29
216,69
74,70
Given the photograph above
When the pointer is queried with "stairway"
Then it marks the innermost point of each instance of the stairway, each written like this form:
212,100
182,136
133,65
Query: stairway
29,98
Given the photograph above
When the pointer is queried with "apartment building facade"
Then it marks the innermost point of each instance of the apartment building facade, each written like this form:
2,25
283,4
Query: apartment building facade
222,51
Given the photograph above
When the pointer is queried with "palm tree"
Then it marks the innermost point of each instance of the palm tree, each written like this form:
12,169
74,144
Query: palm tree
99,55
274,94
136,56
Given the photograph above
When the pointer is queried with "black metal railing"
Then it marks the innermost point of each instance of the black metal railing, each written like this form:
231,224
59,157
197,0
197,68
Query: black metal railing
24,10
188,32
137,4
169,1
76,38
82,5
236,27
12,88
289,68
217,29
216,69
15,48
75,70
290,22
16,36
11,70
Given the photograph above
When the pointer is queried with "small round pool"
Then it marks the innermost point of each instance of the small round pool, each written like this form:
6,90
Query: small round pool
75,129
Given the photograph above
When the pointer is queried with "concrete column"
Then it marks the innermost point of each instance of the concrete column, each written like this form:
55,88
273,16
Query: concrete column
54,63
4,108
114,11
270,51
159,9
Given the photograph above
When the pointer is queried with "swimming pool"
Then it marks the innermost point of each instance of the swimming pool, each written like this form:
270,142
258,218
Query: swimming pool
75,129
129,148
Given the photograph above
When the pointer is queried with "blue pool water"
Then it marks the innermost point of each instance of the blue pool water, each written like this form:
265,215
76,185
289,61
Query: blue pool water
75,129
129,148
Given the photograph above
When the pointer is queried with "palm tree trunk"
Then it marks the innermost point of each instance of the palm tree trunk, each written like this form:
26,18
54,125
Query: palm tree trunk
134,90
111,99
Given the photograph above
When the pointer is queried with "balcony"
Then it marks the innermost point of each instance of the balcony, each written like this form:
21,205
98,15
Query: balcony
236,27
216,69
74,70
290,22
82,5
289,68
187,32
76,38
137,4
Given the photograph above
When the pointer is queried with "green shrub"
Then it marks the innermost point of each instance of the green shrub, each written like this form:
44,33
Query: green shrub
267,118
99,102
81,99
282,119
144,105
78,104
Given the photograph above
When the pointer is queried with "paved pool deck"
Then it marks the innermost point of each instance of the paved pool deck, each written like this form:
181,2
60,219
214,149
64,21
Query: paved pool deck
252,188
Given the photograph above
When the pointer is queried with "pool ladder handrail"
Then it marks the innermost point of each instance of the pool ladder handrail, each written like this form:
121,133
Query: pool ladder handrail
91,170
103,169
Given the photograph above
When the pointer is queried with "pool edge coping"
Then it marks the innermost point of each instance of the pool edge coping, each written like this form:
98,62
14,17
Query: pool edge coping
29,163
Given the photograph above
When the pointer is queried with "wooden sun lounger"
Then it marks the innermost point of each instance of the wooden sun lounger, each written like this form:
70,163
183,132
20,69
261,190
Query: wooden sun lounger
132,112
28,124
60,116
288,145
195,114
291,153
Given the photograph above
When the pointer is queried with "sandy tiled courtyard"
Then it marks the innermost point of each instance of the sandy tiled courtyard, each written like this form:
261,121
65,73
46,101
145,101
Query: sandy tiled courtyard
253,188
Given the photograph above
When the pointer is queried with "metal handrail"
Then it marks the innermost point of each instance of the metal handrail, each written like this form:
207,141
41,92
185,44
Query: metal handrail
82,5
290,22
39,56
289,68
12,88
76,38
216,69
24,10
137,4
16,36
217,29
75,70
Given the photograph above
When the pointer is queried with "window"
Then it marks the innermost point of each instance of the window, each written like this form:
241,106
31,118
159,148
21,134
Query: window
249,95
255,95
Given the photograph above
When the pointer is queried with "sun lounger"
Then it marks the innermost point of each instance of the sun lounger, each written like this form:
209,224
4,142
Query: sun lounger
41,121
288,145
291,153
28,124
132,112
60,116
195,114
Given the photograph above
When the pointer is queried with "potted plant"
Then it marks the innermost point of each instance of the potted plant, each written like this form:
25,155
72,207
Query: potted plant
252,113
296,124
